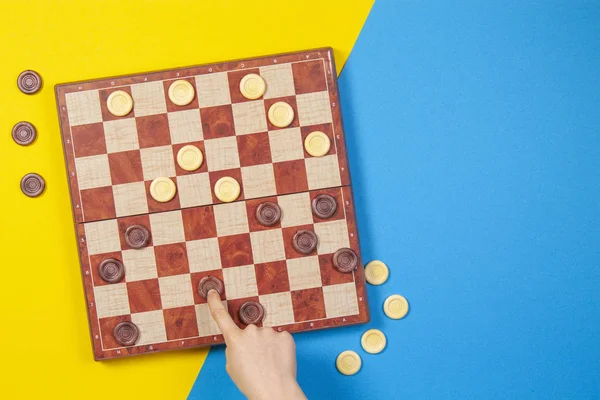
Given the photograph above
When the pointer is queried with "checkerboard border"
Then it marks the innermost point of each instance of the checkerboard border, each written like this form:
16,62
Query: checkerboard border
324,54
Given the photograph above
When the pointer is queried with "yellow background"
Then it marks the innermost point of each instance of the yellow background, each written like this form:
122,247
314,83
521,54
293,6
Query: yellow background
44,341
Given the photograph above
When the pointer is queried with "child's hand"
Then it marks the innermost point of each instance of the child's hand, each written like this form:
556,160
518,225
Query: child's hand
260,361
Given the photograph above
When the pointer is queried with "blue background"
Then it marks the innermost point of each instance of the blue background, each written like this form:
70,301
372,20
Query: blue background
473,131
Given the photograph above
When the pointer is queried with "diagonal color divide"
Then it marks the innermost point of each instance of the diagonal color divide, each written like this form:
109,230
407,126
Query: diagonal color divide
472,134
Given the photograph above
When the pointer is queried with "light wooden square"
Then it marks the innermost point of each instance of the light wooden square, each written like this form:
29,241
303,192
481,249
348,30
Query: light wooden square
206,324
340,300
151,325
259,181
148,98
130,199
278,309
295,209
286,144
203,255
240,282
249,117
194,190
314,108
167,228
121,135
140,264
176,291
157,162
213,89
185,126
267,246
93,171
323,172
279,80
222,153
111,300
332,235
83,107
231,218
102,236
304,272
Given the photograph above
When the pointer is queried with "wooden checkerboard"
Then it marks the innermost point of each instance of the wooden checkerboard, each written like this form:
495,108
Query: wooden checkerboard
111,162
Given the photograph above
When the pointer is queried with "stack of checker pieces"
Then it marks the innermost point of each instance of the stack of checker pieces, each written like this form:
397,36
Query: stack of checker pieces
283,251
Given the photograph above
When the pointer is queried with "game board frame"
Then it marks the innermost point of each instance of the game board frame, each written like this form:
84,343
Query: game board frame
238,65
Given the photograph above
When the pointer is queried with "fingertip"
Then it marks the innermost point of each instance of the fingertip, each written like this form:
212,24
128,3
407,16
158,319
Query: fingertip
213,295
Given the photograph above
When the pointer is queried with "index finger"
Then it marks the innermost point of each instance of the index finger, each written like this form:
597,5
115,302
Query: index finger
220,315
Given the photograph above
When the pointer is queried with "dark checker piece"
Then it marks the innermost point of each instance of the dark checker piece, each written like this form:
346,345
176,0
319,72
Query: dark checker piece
126,333
24,133
208,283
111,270
324,206
268,213
29,82
305,241
251,312
32,185
345,260
137,236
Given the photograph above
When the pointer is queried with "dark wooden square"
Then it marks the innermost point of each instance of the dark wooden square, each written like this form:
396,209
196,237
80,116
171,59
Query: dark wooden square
291,100
251,206
290,176
308,304
197,276
235,77
181,322
103,94
153,130
272,277
217,122
329,274
233,307
235,173
157,206
95,261
125,167
107,327
98,203
288,241
309,76
171,259
172,107
126,222
203,167
326,129
235,250
199,223
88,140
144,295
254,149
